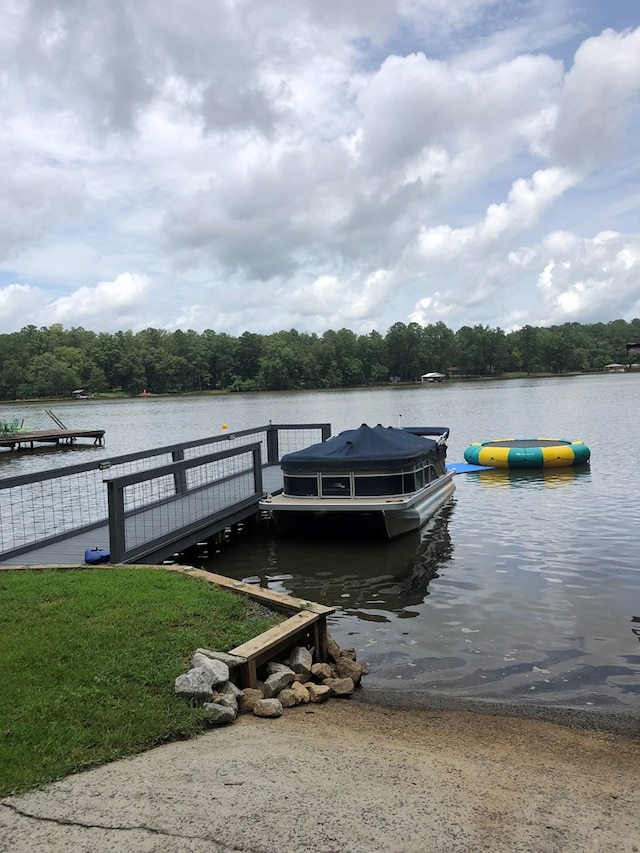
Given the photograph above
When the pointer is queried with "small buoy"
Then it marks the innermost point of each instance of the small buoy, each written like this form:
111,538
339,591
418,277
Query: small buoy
224,426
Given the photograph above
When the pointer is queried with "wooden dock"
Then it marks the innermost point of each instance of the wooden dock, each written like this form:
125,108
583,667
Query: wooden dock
29,439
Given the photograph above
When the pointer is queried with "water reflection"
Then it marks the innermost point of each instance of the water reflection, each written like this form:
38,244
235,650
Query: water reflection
372,580
547,478
47,456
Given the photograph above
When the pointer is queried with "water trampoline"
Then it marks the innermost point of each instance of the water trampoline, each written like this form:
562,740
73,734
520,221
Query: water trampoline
528,453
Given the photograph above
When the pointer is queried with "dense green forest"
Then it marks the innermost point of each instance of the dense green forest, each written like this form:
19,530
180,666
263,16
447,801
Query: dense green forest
53,361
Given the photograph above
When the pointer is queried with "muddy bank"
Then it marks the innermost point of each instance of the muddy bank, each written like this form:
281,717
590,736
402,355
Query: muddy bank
619,722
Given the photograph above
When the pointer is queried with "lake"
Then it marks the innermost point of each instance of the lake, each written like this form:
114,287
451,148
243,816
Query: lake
523,588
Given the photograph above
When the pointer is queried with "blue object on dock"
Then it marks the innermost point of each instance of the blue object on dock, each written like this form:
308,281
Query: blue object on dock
96,555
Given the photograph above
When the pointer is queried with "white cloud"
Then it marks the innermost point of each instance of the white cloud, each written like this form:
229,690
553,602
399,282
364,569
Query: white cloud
370,298
586,280
524,207
33,202
110,303
598,97
527,202
18,302
434,309
443,243
262,166
415,106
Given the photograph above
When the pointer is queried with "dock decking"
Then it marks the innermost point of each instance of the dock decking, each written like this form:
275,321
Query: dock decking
23,439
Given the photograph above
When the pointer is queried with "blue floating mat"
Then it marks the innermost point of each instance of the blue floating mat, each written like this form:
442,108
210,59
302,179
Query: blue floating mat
461,467
96,555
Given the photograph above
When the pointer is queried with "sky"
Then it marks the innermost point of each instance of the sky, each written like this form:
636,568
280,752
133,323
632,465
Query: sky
242,165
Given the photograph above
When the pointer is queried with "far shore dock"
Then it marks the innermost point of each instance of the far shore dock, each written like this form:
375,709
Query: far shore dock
29,439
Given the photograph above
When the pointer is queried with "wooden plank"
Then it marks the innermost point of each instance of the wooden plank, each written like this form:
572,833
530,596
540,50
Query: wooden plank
272,638
321,639
297,630
307,626
277,600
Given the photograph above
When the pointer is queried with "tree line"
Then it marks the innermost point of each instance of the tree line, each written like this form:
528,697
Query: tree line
54,361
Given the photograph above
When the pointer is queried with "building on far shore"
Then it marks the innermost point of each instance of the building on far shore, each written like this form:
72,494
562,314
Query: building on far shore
633,348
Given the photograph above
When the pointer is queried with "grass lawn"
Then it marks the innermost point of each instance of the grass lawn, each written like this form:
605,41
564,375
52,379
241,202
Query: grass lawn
88,660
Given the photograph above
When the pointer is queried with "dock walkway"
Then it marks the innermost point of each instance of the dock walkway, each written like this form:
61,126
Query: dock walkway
70,550
145,506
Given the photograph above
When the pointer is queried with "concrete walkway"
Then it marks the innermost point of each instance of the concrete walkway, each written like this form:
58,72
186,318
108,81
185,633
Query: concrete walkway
349,777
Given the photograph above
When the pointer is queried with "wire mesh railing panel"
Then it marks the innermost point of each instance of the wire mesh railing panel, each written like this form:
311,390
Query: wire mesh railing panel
186,510
291,440
233,440
212,472
152,491
61,502
33,511
132,466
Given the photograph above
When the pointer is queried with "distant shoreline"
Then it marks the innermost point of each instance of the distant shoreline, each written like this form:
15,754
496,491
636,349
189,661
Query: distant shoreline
505,377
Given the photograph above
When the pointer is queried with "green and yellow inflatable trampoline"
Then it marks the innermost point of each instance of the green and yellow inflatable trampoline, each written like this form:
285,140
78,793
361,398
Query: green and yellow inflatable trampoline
528,453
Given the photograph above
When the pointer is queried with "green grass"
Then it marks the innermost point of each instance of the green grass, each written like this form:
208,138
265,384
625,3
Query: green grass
88,660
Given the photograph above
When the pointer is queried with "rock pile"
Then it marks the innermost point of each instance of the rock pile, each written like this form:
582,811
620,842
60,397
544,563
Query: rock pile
295,681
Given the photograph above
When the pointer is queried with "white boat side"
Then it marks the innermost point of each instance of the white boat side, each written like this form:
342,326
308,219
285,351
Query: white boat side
401,513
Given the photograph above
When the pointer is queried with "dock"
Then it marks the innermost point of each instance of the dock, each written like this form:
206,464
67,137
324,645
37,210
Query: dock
144,506
29,439
223,512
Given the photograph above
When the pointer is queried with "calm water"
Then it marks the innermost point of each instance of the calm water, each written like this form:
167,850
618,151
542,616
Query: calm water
524,587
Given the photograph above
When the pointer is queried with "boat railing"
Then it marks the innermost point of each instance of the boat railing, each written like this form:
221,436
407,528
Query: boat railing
438,434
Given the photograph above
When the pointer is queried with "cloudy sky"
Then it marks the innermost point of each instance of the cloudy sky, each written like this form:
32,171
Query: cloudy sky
249,165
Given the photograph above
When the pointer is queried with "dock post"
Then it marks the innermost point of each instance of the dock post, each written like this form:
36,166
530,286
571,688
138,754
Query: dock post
321,639
115,500
257,470
273,455
179,477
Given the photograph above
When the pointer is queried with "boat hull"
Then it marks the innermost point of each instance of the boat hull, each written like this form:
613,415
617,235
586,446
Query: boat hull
395,515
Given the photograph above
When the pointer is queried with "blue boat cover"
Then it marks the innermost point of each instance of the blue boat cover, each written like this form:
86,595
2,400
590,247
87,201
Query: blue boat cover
364,449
